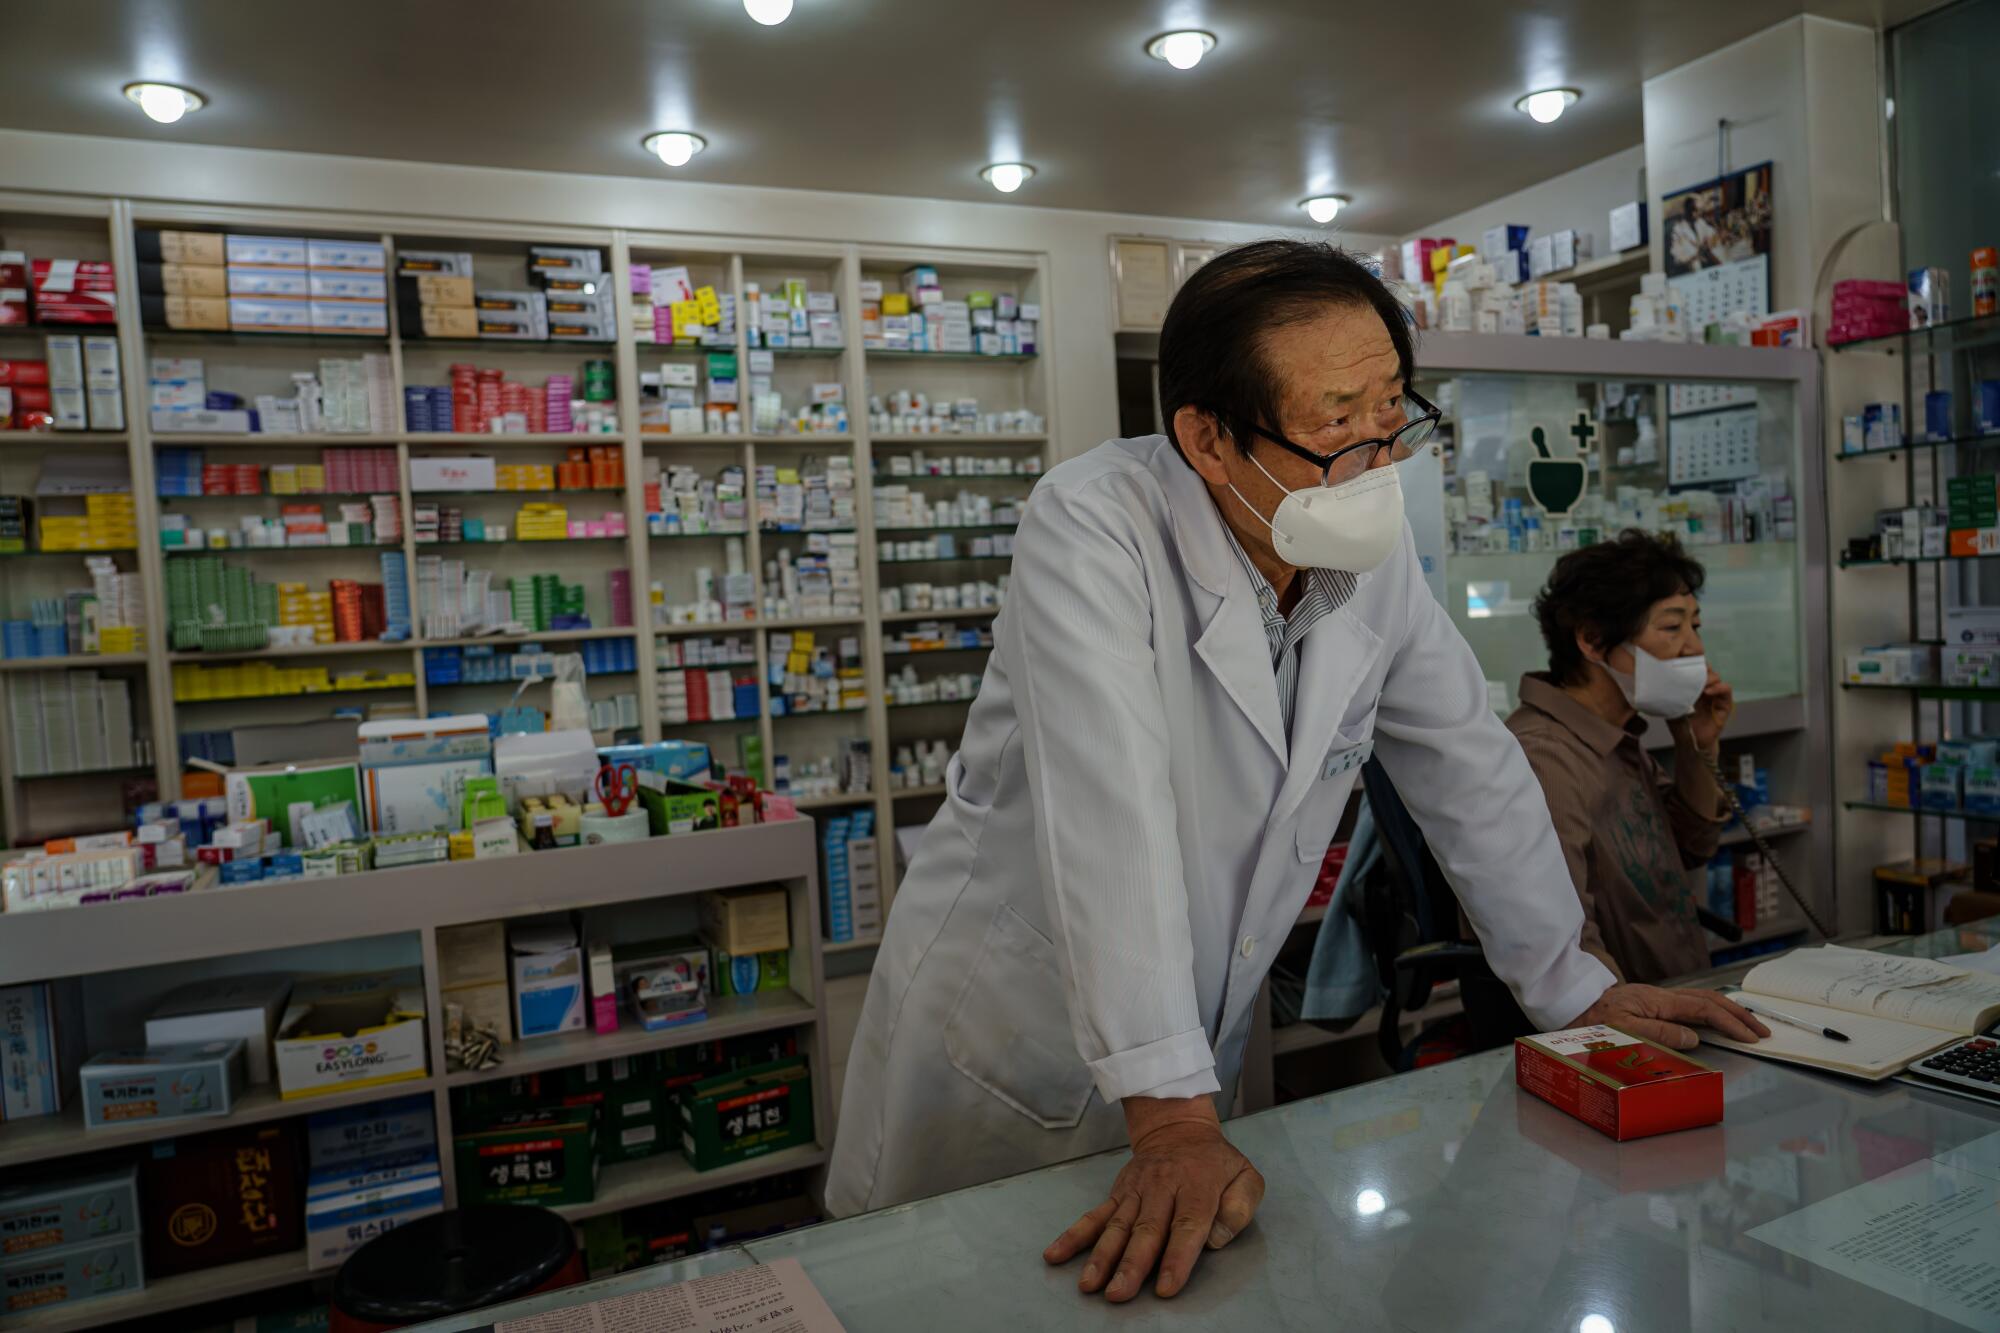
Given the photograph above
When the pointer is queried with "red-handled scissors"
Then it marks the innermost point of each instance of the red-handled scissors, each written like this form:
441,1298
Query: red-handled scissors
617,787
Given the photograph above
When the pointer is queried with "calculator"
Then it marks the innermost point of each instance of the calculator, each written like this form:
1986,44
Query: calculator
1972,1065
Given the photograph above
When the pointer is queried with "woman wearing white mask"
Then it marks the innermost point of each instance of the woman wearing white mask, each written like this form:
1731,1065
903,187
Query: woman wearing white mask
1205,636
1624,636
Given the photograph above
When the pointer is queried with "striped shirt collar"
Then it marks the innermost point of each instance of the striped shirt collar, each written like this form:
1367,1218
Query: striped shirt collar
1325,591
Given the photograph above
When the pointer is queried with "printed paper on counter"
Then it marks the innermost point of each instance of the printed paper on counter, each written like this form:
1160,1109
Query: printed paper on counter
771,1298
1927,1233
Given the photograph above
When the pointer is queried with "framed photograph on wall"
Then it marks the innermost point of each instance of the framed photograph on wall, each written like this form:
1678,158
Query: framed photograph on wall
1719,223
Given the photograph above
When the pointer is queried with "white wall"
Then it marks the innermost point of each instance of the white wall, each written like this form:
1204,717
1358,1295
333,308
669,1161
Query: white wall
1803,95
1079,306
1581,199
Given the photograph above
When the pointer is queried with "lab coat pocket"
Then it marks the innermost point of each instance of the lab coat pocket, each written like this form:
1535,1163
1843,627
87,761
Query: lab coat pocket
1009,1029
1319,814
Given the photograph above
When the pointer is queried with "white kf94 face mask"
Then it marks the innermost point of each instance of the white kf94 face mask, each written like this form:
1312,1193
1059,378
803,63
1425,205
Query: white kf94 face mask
1351,527
1661,687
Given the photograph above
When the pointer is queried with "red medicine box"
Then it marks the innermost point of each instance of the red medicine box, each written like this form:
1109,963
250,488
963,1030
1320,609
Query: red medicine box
1618,1084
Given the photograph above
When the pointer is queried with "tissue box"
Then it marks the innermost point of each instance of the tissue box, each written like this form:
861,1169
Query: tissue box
49,1278
348,1207
1620,1085
54,1216
165,1083
546,969
348,1032
216,1010
391,1128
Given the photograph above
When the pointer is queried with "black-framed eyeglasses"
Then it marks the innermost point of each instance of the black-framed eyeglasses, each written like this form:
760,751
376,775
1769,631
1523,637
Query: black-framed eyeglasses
1350,461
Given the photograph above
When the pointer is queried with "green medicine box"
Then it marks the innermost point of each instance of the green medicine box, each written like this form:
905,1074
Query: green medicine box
678,807
749,1113
749,973
547,1157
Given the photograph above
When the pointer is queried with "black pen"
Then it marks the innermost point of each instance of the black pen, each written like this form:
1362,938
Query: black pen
1793,1019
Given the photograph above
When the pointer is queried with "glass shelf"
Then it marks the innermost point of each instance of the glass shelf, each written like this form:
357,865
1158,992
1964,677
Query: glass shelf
1952,693
1969,816
1921,444
490,344
888,354
1971,328
265,337
1847,563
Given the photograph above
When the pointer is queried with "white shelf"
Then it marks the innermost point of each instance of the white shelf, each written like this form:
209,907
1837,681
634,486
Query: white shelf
42,1138
850,946
663,437
421,437
1770,930
309,650
833,802
28,437
814,622
728,1016
726,627
883,439
1738,836
72,660
658,1179
546,636
172,1293
169,438
898,617
917,793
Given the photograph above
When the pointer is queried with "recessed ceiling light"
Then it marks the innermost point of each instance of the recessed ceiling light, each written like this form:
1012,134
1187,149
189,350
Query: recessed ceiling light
1182,50
770,13
1324,208
674,147
164,102
1548,103
1006,177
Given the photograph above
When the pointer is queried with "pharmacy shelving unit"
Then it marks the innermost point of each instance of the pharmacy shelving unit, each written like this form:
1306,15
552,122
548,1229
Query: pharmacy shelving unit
250,363
401,911
36,804
1880,601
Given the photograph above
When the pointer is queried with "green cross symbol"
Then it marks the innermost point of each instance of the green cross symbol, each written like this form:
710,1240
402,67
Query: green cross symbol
1585,431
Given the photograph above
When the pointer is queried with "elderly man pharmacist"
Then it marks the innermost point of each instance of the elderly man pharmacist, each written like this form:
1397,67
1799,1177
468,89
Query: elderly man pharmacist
1205,637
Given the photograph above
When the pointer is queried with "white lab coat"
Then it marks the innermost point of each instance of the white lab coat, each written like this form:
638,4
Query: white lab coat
1127,836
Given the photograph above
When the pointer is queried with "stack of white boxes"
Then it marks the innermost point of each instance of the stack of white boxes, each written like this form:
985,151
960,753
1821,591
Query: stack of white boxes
294,285
86,391
179,399
70,722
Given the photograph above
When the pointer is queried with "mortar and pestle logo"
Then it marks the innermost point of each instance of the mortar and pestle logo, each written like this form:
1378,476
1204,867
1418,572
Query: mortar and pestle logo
1556,484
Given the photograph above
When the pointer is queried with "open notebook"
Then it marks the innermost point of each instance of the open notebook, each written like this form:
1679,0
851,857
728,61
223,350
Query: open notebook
1893,1010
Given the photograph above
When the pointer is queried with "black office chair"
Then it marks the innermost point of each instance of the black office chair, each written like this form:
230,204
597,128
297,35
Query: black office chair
1409,916
1411,919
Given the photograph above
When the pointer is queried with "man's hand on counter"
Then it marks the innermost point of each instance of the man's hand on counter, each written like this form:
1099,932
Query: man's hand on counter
1185,1187
1662,1015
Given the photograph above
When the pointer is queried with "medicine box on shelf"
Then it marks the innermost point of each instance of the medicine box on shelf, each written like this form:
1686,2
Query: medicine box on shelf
163,1083
348,1032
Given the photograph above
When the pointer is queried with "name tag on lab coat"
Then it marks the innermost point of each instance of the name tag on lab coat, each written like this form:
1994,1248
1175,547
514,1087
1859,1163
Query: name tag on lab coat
1346,761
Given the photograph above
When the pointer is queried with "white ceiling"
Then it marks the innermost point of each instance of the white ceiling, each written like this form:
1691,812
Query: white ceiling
1405,106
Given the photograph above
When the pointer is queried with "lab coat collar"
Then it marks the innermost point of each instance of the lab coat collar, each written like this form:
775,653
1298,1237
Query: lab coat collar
1199,533
1232,641
1543,695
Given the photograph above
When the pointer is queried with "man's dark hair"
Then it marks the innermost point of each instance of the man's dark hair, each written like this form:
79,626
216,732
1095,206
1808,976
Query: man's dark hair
1212,344
1606,590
